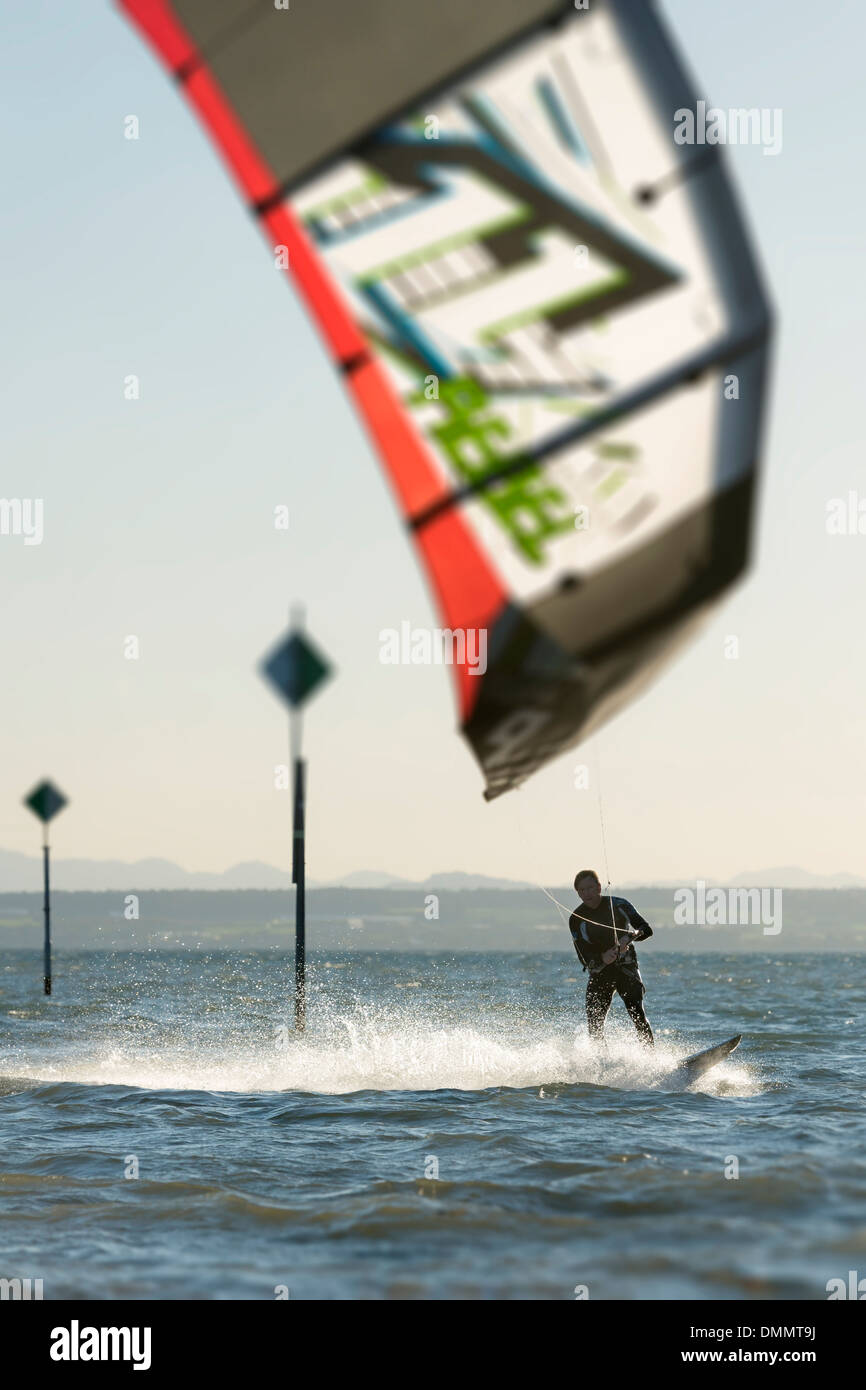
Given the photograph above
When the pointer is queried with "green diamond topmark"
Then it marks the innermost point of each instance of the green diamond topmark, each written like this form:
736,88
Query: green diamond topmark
295,669
45,801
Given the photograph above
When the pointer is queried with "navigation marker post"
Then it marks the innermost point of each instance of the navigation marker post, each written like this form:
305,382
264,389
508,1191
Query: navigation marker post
294,669
45,801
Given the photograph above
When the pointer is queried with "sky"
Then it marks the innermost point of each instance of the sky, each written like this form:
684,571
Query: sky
123,257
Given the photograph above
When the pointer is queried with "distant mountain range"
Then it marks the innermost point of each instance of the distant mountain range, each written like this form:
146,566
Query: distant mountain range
21,873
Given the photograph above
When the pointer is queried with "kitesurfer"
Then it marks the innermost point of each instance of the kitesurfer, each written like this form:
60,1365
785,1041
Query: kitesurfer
604,930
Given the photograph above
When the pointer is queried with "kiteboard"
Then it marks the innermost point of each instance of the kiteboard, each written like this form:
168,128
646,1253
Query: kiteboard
692,1067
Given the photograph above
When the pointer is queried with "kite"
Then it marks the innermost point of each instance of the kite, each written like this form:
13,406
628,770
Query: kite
545,307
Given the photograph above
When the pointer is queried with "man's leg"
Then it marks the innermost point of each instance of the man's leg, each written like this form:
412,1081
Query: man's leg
631,993
599,997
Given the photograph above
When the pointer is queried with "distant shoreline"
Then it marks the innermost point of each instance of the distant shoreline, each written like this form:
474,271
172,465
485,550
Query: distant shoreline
375,919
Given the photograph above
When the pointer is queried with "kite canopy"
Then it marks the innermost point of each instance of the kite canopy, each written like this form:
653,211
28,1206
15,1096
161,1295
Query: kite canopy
546,310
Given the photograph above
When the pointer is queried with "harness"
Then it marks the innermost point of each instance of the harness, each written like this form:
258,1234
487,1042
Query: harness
589,962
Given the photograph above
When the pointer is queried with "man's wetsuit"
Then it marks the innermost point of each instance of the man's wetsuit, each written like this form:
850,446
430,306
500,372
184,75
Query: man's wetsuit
593,935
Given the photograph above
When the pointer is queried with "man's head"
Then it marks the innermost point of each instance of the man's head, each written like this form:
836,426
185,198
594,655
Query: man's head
588,887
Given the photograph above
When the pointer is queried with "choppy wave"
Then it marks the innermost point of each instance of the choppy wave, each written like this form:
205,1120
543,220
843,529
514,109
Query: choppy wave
386,1050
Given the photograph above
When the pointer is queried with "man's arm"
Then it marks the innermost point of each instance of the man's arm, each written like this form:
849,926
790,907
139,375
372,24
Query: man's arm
640,924
574,928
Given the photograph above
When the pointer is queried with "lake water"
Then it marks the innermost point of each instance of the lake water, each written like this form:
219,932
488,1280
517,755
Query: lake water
442,1131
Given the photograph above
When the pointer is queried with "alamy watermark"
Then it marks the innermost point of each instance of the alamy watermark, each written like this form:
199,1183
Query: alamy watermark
22,516
711,125
437,646
846,516
854,1287
729,907
21,1289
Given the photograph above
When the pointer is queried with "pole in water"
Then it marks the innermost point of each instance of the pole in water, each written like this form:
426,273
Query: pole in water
46,908
45,801
298,878
295,668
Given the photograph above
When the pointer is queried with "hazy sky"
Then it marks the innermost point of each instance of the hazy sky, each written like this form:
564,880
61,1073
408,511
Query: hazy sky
138,257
